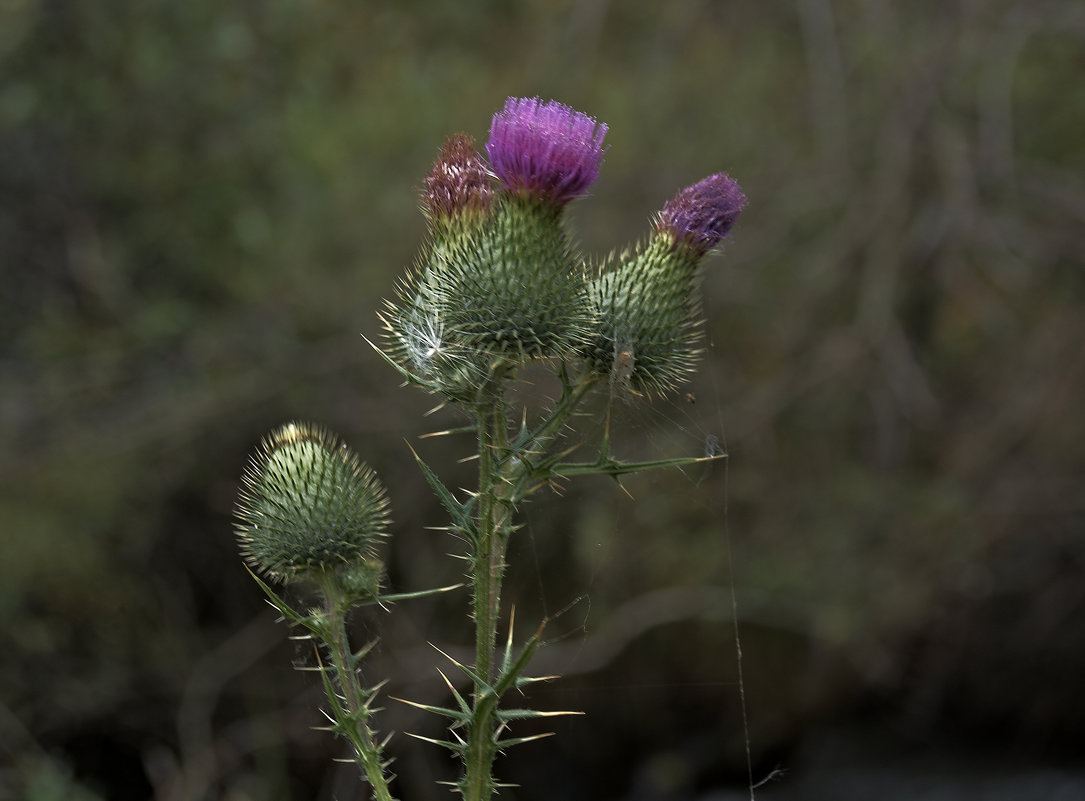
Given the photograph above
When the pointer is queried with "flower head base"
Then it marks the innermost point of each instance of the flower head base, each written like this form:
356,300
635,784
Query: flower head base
309,506
459,181
547,150
648,336
701,215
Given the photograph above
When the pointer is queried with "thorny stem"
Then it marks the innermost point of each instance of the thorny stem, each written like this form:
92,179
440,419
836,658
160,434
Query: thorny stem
367,752
489,568
502,469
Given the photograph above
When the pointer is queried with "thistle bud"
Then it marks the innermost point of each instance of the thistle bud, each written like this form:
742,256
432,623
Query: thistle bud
459,183
648,306
648,335
308,505
545,150
699,216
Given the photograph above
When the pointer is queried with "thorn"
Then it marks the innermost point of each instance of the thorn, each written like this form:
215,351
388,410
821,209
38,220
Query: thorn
447,682
512,622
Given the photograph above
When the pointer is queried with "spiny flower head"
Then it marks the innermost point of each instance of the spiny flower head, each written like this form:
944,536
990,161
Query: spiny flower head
547,150
701,215
648,336
459,181
308,505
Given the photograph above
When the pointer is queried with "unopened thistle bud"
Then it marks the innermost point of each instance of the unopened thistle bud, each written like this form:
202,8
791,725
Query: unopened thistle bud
545,150
699,216
309,506
648,306
459,183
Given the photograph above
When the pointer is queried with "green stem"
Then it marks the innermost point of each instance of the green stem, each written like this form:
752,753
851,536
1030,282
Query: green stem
356,727
489,569
498,479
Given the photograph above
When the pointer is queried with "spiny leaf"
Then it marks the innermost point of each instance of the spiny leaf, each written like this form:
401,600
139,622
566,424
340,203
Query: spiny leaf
508,743
526,714
508,675
457,748
360,654
460,700
524,681
480,683
370,693
615,468
312,622
453,714
507,659
406,596
455,509
338,710
469,429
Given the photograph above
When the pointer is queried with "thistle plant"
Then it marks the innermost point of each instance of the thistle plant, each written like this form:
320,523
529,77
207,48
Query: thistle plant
498,287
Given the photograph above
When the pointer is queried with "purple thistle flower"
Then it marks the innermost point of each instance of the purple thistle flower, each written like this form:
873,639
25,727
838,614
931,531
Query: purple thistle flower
701,215
459,181
548,150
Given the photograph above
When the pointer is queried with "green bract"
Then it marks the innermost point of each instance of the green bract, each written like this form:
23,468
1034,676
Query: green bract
491,291
648,312
512,287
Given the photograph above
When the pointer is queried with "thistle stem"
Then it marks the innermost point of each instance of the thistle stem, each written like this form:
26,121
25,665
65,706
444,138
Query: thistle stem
356,725
488,564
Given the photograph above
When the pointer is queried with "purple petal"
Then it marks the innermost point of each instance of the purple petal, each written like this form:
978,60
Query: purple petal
545,149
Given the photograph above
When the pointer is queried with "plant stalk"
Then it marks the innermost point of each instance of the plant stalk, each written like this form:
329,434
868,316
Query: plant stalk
357,730
489,570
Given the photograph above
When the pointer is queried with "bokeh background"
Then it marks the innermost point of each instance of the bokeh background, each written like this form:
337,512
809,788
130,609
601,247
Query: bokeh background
202,205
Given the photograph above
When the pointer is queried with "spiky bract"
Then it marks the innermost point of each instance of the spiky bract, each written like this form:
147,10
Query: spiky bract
513,287
309,505
496,291
427,352
649,328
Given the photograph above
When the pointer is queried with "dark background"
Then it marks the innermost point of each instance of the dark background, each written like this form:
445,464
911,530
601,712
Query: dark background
202,205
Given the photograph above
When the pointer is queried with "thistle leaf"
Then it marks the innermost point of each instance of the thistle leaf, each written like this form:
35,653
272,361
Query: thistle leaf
511,741
452,714
527,714
456,510
455,747
510,673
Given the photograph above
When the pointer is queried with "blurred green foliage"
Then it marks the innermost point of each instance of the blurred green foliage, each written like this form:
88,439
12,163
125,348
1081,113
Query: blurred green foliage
202,203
